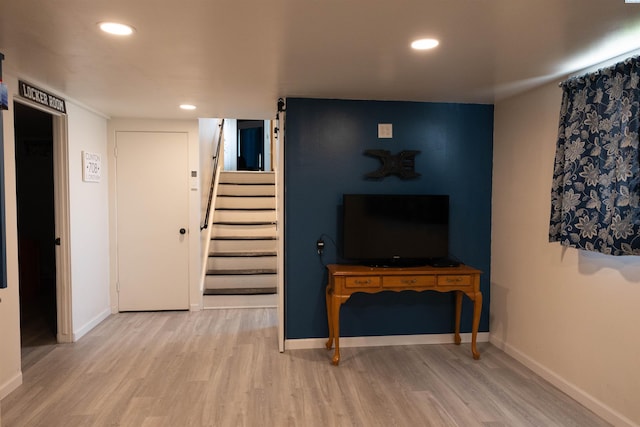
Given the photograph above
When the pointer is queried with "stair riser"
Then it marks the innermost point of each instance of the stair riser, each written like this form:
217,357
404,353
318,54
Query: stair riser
212,302
228,230
247,177
241,263
243,246
238,216
246,203
246,190
241,282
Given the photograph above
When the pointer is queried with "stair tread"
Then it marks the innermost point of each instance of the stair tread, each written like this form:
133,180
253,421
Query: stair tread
244,222
248,271
245,183
244,238
243,254
255,210
246,209
240,291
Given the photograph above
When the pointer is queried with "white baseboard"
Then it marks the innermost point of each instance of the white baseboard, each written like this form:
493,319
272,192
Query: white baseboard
601,409
10,385
79,333
382,340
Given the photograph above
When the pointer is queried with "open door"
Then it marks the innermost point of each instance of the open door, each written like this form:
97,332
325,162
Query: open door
36,225
251,145
42,209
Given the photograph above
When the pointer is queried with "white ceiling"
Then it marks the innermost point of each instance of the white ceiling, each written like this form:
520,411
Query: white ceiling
235,58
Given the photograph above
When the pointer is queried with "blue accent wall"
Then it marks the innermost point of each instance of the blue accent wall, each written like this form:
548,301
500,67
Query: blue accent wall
324,145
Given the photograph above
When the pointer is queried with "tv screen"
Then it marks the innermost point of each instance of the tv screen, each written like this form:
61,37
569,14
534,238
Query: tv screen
381,229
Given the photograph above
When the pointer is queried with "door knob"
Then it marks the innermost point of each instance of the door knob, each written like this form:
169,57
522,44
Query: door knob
183,231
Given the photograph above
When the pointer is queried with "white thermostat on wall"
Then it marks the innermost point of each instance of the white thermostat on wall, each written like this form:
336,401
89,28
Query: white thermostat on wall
91,167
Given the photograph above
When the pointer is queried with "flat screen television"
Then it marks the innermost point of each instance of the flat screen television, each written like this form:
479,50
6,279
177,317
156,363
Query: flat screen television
395,230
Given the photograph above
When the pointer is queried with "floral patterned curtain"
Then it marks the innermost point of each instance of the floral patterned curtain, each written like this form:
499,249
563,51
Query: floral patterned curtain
595,195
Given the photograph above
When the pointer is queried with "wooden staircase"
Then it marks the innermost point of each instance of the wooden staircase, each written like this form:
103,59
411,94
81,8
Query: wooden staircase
242,257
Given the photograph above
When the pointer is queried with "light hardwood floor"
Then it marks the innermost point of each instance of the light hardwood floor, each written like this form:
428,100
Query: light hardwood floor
222,368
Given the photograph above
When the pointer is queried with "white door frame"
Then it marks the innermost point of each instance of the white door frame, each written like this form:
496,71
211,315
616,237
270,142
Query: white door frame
61,212
279,171
62,226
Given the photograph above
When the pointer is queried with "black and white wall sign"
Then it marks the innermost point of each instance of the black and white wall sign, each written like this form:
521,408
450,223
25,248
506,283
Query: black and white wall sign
91,167
42,97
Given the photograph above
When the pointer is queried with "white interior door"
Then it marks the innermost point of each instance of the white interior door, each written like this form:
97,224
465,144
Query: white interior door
152,186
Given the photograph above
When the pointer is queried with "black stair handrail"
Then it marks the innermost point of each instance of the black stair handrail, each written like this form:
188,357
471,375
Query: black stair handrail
216,156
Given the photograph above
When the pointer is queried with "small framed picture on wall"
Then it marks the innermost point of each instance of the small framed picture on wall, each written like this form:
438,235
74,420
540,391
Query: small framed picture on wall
91,167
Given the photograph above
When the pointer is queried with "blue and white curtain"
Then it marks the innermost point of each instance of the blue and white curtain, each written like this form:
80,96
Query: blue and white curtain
595,195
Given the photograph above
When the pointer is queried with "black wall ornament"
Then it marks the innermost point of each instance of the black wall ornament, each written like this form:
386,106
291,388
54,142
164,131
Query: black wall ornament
401,164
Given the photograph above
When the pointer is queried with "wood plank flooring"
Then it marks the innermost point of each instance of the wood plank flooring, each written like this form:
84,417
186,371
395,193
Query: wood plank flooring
222,368
37,335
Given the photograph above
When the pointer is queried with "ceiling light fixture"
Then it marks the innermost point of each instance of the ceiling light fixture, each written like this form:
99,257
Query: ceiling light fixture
116,28
424,44
187,107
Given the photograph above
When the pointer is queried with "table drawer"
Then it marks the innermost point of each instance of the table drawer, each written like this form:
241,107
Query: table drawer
408,281
362,282
454,280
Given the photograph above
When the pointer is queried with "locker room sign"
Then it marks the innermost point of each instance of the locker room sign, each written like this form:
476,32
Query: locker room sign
41,97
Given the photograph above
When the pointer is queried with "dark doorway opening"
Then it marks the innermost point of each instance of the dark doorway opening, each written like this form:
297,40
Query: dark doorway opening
36,229
250,145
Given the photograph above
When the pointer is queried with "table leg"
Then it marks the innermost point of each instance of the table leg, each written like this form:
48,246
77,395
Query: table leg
458,314
329,343
477,309
335,316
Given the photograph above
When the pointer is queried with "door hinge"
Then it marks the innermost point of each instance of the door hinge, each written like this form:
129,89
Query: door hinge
117,286
115,151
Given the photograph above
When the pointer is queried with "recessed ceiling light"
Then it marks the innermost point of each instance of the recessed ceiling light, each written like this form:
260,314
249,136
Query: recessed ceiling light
187,107
424,44
116,28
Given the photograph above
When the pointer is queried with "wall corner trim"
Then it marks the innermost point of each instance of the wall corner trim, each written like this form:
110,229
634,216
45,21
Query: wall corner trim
91,324
10,385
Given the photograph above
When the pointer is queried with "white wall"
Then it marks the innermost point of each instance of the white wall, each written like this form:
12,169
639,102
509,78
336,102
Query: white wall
230,155
89,221
570,315
10,369
149,125
208,137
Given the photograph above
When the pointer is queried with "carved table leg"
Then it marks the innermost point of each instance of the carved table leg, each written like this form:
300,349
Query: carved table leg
335,316
477,309
458,314
329,343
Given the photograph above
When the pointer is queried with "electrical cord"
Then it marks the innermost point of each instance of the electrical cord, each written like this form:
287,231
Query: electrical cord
320,246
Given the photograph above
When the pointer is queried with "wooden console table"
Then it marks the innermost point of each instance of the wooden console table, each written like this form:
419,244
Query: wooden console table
345,280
